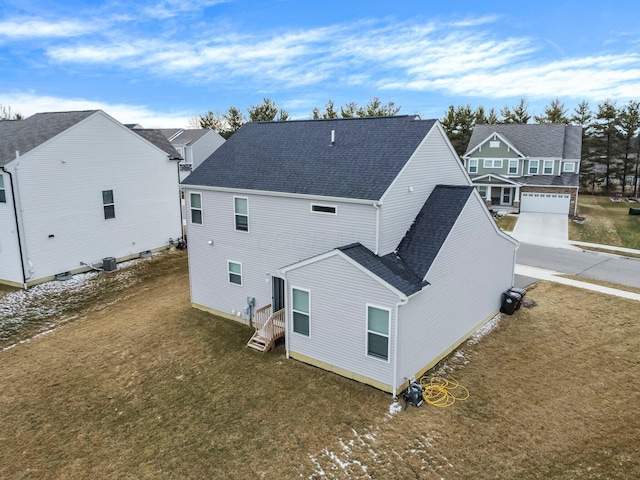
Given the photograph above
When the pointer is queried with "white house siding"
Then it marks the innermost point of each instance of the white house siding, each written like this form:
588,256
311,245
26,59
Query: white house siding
473,268
267,246
10,270
60,196
432,163
339,296
205,146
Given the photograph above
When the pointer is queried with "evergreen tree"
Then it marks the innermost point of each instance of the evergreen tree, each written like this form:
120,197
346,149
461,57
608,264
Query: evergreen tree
583,116
555,112
235,119
458,123
607,140
629,127
375,108
266,112
519,114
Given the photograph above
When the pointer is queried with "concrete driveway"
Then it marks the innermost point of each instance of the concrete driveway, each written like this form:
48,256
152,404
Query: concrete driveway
544,229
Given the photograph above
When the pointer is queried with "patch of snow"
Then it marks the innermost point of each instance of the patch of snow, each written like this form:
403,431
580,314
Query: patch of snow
394,408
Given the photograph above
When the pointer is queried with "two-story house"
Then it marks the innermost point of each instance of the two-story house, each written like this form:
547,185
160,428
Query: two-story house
194,145
526,167
79,187
357,239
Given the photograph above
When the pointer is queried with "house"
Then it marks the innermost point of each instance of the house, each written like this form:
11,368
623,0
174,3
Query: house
195,145
77,188
526,167
356,239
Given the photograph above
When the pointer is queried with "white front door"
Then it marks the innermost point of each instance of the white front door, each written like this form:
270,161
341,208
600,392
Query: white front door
507,195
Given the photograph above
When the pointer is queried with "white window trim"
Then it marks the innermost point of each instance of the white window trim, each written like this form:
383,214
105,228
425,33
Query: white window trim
494,143
544,167
335,208
491,163
367,331
566,164
475,160
512,160
191,208
112,204
537,167
235,226
229,272
293,310
2,189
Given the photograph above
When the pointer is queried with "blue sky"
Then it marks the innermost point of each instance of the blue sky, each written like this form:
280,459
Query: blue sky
160,62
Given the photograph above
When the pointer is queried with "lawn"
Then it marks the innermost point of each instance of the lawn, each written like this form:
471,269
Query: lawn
606,222
507,223
140,385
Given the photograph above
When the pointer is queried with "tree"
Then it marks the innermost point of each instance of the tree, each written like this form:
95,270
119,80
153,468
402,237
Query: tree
349,110
555,112
211,120
583,116
329,111
375,108
266,112
7,114
629,119
519,114
458,123
607,140
235,119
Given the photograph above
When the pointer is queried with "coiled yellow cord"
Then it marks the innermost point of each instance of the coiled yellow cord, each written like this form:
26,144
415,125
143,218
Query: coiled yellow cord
439,391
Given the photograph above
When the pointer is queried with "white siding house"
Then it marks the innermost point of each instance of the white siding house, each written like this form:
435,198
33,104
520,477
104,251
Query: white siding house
356,233
85,188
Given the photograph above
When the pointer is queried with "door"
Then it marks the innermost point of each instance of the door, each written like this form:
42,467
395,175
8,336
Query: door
545,202
506,196
278,294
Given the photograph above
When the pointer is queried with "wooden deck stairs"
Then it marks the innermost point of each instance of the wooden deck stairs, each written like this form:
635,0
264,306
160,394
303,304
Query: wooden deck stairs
269,328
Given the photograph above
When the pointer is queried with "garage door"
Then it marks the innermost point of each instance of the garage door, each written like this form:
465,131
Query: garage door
545,202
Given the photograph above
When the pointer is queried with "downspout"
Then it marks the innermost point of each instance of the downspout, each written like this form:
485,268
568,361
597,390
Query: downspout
15,214
180,193
404,301
286,314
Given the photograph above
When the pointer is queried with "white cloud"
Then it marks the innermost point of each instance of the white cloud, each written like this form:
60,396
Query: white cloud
27,104
21,28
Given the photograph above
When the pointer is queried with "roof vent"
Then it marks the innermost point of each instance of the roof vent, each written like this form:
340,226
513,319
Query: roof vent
333,137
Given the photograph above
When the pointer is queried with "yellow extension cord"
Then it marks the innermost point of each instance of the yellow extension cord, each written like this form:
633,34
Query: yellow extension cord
439,391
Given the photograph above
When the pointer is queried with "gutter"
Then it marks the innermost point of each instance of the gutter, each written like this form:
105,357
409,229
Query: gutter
15,214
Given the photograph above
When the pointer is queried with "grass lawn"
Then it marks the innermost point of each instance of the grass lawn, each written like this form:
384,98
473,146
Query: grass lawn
143,386
507,222
606,222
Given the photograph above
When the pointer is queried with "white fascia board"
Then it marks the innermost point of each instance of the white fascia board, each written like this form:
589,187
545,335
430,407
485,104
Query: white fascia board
270,193
549,186
333,253
497,177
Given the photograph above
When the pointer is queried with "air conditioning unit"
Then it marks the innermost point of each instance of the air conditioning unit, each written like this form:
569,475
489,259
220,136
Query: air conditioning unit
186,167
109,264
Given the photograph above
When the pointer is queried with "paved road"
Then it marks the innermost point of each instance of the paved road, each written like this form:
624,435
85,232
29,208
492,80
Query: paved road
598,266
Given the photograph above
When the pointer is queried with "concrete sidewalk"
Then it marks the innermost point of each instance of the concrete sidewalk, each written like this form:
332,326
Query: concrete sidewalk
552,276
605,247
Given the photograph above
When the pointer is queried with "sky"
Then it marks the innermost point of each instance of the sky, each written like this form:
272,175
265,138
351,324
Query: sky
159,63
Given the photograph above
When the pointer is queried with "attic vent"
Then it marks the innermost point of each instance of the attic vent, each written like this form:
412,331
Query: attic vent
494,144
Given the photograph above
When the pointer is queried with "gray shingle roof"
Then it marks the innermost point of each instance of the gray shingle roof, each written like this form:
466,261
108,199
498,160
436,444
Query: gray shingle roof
298,157
25,135
563,180
405,268
534,140
156,137
190,135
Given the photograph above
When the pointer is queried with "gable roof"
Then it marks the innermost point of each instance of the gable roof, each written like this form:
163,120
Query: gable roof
179,136
156,137
406,268
25,135
298,156
533,140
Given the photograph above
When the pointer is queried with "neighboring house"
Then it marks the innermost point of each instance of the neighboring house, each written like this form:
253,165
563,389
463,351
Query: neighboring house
526,167
195,145
79,187
357,237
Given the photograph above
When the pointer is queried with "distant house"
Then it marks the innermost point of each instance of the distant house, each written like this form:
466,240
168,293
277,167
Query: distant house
79,187
526,167
356,239
195,145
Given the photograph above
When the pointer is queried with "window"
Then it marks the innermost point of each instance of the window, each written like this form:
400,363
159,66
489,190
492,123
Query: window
235,272
108,205
482,189
195,200
301,311
323,209
3,194
493,163
473,165
378,332
548,167
569,167
533,167
241,211
513,166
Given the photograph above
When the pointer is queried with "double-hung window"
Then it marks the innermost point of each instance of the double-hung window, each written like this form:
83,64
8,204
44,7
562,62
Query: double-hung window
301,307
548,167
195,202
492,163
533,167
241,212
513,166
235,272
473,165
3,193
378,332
108,204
